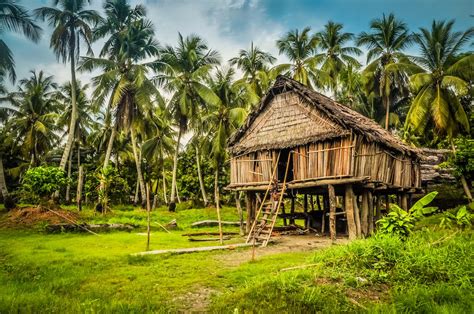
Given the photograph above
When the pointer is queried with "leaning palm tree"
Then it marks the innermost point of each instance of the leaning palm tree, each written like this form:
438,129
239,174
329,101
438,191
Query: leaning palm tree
251,62
72,24
445,79
182,71
335,55
33,115
387,69
299,48
14,18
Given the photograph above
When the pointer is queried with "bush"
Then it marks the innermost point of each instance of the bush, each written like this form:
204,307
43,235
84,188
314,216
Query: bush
43,181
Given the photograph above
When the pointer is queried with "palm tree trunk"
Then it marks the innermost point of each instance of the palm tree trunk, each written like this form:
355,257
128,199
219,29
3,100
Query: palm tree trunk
72,123
137,190
80,180
217,200
3,184
165,196
110,145
68,187
387,111
172,204
139,167
201,181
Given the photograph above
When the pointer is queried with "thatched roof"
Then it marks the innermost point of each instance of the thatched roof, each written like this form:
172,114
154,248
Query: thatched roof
325,119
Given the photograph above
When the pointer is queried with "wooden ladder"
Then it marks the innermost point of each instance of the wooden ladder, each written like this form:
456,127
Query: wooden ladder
262,226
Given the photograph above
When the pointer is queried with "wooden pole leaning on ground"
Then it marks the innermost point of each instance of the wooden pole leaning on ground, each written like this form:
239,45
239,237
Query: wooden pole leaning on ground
239,210
148,208
364,214
332,212
349,207
357,217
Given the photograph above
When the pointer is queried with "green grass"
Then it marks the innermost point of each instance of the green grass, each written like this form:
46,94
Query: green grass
431,272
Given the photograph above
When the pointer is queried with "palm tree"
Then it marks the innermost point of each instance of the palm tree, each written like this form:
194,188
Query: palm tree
72,24
181,71
33,112
299,48
387,68
335,56
84,121
14,18
444,80
223,118
251,62
125,80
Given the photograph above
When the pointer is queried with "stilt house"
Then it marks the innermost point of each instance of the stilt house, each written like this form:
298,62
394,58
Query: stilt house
301,142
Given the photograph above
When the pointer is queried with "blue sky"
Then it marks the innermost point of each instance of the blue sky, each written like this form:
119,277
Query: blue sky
230,25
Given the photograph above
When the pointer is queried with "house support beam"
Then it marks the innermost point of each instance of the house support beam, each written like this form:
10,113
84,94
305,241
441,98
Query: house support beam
332,212
349,207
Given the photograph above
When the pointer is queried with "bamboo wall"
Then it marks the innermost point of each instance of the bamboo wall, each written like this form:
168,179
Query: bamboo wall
385,166
342,157
327,159
252,168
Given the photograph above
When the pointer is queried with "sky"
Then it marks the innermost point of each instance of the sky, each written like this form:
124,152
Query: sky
230,25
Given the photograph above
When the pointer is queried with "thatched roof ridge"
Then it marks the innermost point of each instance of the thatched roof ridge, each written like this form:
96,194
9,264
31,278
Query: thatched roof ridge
341,115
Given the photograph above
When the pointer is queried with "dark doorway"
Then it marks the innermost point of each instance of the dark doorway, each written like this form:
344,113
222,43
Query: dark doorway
284,155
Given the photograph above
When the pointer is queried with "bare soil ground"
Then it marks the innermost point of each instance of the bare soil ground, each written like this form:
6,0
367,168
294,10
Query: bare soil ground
28,217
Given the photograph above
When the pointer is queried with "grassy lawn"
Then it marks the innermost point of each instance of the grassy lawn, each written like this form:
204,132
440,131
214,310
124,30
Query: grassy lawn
78,272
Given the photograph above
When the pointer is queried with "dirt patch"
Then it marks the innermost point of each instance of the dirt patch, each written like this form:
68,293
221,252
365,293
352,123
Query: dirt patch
281,244
31,216
196,301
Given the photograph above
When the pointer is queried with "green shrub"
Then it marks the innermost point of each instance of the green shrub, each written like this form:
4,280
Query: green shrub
400,223
42,182
462,218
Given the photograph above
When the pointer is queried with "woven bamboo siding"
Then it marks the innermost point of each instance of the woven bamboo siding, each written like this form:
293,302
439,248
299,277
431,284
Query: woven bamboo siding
385,166
328,159
252,168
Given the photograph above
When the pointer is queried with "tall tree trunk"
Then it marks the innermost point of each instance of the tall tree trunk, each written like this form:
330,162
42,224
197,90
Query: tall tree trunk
165,196
138,161
172,204
72,123
387,111
217,200
137,190
3,183
68,187
201,181
80,180
108,152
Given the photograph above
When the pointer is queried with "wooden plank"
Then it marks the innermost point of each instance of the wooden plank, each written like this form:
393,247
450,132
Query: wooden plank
364,214
194,249
349,207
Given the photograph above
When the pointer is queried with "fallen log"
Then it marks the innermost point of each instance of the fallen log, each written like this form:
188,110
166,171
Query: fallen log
194,249
214,223
208,239
191,234
58,228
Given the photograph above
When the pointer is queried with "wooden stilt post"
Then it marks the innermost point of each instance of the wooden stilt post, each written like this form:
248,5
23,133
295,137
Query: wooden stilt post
241,214
311,201
364,214
305,210
357,217
404,201
292,211
248,207
349,208
332,212
378,205
387,203
323,217
371,212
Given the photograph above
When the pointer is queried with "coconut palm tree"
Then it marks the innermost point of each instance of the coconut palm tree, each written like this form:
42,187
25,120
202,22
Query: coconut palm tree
446,78
125,80
335,55
33,112
14,18
251,62
300,48
182,71
387,70
223,118
72,25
